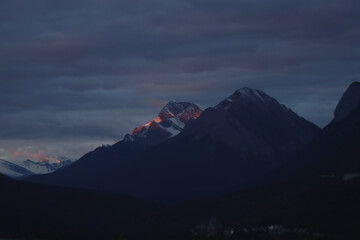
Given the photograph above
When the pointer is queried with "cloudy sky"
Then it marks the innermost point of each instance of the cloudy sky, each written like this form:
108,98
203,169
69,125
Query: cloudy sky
78,74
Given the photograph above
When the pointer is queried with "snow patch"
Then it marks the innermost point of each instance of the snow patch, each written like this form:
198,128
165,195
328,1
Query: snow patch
253,94
13,170
172,118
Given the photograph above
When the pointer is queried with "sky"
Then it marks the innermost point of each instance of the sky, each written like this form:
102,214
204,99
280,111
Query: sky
78,74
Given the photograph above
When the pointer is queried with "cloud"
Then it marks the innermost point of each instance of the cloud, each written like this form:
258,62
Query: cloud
96,69
40,155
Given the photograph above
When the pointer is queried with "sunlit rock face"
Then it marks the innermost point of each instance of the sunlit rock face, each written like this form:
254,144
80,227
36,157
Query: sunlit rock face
171,119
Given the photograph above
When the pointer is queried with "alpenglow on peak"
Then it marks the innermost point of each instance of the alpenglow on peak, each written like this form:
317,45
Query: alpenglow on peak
172,118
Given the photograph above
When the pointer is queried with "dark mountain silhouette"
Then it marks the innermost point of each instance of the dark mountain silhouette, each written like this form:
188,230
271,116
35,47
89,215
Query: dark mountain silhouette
334,153
318,190
349,101
88,169
243,137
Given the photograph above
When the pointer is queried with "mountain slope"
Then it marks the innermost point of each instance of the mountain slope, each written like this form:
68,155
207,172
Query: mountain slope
243,137
349,101
98,163
317,190
13,170
171,120
44,167
334,153
23,169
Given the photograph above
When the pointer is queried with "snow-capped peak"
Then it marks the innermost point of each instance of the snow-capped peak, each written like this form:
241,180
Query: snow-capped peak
252,94
245,95
184,111
172,118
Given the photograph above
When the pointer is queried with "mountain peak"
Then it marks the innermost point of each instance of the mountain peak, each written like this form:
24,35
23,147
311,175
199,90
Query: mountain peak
253,94
182,110
172,118
348,102
243,95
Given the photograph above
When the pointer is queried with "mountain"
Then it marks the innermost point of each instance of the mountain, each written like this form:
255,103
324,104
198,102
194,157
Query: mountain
170,121
314,195
96,164
13,170
349,101
19,170
243,137
334,153
44,167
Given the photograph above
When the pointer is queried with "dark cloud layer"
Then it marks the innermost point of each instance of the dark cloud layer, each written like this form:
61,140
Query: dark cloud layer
93,70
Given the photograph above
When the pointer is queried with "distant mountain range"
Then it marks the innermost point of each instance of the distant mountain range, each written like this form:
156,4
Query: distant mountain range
245,136
28,167
14,170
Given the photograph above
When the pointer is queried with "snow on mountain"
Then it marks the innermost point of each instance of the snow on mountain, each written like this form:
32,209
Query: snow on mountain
243,95
27,168
171,119
13,170
44,167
